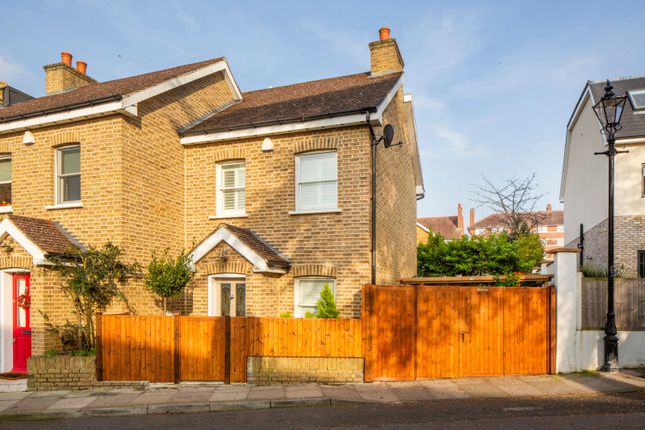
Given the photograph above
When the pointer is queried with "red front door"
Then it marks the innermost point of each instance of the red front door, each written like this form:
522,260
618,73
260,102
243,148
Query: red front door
21,323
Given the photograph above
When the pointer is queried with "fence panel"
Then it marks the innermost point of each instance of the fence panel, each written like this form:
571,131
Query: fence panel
202,348
389,332
137,348
291,337
629,305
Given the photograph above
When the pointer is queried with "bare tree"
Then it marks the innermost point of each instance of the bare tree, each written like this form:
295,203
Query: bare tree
514,200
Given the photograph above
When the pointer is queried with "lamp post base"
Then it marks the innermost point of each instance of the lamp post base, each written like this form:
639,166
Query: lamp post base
611,353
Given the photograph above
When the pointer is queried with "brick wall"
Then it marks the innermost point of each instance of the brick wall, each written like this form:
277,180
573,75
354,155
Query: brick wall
60,78
294,370
385,56
629,238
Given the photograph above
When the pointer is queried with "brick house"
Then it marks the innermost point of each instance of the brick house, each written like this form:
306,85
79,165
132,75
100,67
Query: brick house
270,189
450,227
550,226
583,189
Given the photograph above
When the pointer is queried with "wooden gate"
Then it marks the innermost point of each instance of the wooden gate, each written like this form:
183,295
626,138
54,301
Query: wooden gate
450,331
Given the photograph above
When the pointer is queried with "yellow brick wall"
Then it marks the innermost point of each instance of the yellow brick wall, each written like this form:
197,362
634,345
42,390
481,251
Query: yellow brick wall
341,240
385,56
61,77
422,235
396,240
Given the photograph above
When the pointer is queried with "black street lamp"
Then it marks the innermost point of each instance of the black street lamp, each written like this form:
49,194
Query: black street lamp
609,111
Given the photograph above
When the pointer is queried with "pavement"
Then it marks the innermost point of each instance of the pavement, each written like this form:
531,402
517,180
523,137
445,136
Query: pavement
196,397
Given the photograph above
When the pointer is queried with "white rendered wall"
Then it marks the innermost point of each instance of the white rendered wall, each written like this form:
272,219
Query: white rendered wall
585,189
590,349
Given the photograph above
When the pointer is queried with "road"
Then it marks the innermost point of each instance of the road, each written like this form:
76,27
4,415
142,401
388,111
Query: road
625,411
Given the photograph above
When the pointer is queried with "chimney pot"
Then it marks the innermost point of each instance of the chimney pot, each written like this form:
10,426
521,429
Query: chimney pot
66,58
384,33
81,66
549,208
460,218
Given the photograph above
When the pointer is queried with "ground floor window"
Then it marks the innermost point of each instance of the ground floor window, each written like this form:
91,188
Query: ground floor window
307,293
641,264
227,296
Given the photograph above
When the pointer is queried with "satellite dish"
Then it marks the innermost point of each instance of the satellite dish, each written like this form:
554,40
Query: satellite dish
388,135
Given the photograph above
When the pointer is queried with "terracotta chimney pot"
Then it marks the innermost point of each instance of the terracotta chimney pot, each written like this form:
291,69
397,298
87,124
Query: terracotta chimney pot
460,218
81,66
66,58
384,33
549,208
472,216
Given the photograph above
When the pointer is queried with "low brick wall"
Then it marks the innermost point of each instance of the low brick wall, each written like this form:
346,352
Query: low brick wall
65,372
294,370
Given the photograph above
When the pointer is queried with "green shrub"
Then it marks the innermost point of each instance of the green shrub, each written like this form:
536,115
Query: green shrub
167,277
326,304
590,270
496,254
286,315
309,314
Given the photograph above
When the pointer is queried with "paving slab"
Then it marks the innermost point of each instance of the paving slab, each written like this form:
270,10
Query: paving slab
173,408
4,404
237,406
72,403
515,387
598,383
61,393
230,393
115,401
15,395
410,391
554,386
155,397
341,393
481,388
444,389
273,392
31,405
308,391
193,395
376,392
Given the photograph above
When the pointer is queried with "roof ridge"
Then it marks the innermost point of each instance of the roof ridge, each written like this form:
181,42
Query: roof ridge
305,82
616,79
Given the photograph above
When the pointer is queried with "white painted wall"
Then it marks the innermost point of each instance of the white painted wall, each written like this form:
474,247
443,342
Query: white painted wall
585,187
577,349
629,180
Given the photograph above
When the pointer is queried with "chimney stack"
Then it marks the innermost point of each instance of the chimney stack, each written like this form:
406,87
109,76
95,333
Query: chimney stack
472,217
460,218
385,56
549,208
62,77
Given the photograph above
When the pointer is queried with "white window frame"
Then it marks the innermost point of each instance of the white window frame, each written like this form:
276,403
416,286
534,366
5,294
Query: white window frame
220,212
299,210
631,99
215,294
8,208
57,177
296,291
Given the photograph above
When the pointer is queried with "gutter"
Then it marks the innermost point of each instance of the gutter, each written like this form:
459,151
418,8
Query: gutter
91,103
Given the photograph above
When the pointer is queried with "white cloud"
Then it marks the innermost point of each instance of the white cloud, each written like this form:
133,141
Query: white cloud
450,143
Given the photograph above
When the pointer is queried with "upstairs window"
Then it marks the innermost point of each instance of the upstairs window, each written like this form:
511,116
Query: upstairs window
316,181
231,189
68,174
637,98
5,180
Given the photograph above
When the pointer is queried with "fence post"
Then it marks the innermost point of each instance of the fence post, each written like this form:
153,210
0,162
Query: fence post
176,349
99,349
227,349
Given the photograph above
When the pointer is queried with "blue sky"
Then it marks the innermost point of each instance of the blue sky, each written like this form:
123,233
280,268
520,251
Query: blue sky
494,82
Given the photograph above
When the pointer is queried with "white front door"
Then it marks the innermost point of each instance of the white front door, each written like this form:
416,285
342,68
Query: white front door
227,297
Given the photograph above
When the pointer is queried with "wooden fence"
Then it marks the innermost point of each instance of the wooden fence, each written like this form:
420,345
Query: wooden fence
629,303
173,349
438,332
406,332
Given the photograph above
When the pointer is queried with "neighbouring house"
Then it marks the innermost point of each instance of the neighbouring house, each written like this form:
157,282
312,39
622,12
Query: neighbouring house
450,227
10,95
269,189
550,226
584,179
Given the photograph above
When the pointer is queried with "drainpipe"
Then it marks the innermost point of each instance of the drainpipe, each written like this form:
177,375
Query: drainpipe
373,143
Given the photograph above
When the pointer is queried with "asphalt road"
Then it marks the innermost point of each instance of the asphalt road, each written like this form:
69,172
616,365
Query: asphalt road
625,411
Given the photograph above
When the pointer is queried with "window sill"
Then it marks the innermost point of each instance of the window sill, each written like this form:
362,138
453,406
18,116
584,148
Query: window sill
317,211
65,206
6,209
229,216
